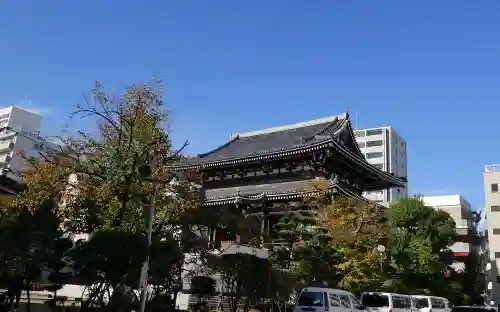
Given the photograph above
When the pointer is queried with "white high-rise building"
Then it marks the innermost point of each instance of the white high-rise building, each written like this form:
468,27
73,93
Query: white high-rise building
21,136
386,150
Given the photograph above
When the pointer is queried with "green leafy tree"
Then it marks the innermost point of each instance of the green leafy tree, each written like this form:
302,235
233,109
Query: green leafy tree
309,254
98,181
97,178
472,280
282,287
245,279
202,287
419,240
31,243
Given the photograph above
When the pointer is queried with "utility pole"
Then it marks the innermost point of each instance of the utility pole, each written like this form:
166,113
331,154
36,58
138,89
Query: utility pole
145,265
145,172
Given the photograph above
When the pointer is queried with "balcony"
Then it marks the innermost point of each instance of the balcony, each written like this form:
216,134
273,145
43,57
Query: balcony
492,168
7,133
4,158
464,231
6,145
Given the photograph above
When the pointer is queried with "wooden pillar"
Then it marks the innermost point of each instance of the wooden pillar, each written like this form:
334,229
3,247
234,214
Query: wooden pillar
262,229
244,213
264,225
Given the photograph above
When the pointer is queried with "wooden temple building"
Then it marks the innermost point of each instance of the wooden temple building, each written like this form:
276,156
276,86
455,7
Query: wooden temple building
267,172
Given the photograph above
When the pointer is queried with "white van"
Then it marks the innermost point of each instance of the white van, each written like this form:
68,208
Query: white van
387,302
432,304
319,299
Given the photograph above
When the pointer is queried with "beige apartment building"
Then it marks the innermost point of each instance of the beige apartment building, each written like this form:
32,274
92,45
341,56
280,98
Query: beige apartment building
492,215
465,219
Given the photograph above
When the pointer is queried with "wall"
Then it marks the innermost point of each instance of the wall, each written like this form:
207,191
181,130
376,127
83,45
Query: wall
492,199
390,157
398,163
461,212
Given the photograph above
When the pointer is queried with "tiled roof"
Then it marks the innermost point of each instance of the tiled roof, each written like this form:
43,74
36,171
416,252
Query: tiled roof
271,191
293,140
279,140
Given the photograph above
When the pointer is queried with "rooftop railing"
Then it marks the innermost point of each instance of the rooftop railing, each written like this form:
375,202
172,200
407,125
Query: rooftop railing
492,168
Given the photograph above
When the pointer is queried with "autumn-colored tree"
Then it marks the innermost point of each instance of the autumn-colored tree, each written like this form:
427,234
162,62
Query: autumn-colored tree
307,254
101,187
357,228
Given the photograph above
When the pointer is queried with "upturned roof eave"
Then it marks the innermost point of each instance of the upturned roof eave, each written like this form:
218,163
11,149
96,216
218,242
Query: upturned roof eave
250,158
393,180
297,150
234,199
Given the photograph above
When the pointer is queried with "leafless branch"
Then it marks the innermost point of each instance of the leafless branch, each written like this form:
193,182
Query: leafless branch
176,153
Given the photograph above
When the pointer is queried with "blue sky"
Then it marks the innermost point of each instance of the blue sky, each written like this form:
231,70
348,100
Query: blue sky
428,68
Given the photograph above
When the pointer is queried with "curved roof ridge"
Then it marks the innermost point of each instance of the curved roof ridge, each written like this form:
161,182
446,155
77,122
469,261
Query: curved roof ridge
291,126
337,127
219,147
353,137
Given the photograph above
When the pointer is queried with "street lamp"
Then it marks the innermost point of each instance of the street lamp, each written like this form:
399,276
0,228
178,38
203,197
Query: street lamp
145,172
381,250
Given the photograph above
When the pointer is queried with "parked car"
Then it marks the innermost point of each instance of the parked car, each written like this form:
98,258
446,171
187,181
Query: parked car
432,304
319,299
387,302
473,309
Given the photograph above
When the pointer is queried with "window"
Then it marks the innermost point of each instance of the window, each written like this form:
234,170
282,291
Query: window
437,303
374,143
374,155
407,302
344,301
496,231
334,300
398,302
497,255
361,144
421,303
359,133
374,132
379,166
494,187
495,208
356,304
311,298
375,300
